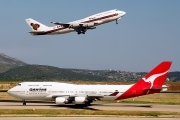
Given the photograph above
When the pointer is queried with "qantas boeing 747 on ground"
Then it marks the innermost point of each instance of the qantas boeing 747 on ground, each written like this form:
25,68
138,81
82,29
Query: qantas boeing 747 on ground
80,26
64,93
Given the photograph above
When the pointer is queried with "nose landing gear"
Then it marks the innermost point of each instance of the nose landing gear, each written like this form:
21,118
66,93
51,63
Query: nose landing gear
24,102
116,21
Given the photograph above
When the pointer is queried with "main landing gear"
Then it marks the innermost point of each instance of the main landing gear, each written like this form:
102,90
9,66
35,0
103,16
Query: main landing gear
88,103
79,32
24,102
83,105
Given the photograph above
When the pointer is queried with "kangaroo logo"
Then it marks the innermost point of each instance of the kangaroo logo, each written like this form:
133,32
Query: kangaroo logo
35,26
152,78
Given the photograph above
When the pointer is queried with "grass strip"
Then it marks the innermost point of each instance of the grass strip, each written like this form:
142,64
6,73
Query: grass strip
53,112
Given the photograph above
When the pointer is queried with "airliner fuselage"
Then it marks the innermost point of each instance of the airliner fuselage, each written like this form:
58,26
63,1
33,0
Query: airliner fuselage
63,93
51,90
80,26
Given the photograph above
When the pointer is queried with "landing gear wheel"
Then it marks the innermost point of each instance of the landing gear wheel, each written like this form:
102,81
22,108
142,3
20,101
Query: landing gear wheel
87,104
116,22
24,102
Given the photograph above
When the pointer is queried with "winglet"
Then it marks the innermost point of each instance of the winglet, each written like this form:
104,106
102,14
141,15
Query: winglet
150,83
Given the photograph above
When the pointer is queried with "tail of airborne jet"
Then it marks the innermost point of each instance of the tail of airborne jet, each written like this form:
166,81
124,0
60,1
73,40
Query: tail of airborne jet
36,26
150,83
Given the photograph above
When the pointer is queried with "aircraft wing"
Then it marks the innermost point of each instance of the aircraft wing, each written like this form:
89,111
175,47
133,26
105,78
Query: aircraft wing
63,24
37,32
79,27
76,25
88,96
82,95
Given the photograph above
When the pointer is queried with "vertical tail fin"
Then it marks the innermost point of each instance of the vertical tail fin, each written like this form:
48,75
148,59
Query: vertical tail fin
157,76
36,26
150,83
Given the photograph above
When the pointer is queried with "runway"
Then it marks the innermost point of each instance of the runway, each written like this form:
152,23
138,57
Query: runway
107,106
82,118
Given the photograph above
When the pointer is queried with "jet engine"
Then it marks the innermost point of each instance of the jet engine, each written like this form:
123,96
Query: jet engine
88,24
80,100
92,27
60,100
74,25
97,22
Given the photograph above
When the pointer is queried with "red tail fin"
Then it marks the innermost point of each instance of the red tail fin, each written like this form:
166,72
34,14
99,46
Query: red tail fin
151,83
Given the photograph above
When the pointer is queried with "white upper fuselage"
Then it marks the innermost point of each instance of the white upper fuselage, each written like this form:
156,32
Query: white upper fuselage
100,18
91,21
63,93
49,90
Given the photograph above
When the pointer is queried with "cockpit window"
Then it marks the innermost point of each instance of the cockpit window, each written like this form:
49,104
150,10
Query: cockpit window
19,84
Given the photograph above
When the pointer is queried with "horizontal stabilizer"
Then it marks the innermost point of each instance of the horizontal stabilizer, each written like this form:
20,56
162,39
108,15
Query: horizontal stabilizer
152,89
37,32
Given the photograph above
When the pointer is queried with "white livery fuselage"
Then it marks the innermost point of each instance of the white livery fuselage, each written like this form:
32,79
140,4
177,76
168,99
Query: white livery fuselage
63,93
50,90
80,26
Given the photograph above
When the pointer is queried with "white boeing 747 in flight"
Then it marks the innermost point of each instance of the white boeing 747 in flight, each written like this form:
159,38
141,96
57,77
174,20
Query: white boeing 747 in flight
80,26
64,93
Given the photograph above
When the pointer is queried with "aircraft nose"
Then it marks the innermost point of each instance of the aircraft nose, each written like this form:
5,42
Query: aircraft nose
12,91
123,13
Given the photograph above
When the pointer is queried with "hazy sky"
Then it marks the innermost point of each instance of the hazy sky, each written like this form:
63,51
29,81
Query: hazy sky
148,34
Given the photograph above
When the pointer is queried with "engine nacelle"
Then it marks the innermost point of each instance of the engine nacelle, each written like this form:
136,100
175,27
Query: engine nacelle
80,100
97,22
88,24
60,100
73,25
92,27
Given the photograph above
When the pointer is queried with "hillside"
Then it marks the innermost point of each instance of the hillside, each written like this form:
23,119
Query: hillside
45,73
7,62
13,69
49,73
